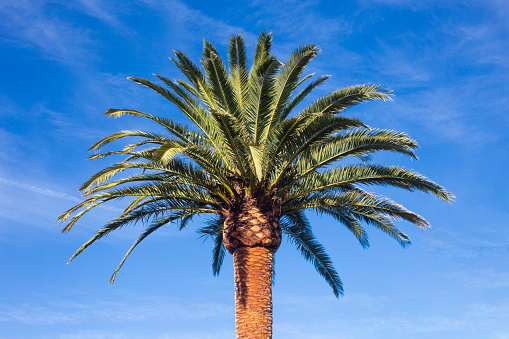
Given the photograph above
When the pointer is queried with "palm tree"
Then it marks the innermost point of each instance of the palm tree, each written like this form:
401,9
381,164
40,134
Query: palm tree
255,167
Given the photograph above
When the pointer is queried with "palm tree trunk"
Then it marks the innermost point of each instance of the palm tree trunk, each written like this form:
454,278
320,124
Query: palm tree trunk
253,292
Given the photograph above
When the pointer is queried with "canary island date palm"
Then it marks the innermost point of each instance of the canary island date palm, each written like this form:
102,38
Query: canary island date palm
252,163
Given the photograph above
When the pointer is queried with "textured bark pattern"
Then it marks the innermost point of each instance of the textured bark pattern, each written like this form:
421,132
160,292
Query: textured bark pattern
253,292
251,225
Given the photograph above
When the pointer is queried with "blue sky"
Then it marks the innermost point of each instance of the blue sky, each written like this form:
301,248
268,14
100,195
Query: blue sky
64,63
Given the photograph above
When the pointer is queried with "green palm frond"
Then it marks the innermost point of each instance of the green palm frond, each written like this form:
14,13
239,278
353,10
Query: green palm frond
201,115
298,230
170,96
154,138
212,163
261,55
235,138
149,230
364,174
287,80
257,156
156,209
356,200
314,132
358,143
238,71
189,88
344,98
108,172
175,169
91,203
261,100
361,206
349,221
166,152
193,73
193,111
214,229
297,99
219,81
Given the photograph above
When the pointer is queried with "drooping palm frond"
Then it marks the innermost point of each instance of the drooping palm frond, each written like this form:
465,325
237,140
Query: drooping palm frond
353,206
143,215
214,229
296,226
149,230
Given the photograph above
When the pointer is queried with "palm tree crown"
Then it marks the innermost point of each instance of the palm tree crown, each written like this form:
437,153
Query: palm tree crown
252,163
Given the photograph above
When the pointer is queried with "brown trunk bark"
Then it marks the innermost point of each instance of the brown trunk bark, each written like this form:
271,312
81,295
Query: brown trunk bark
253,292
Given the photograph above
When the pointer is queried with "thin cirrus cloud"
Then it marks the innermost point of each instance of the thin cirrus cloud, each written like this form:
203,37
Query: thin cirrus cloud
28,25
476,318
38,190
47,312
451,245
298,18
379,327
486,279
40,27
91,334
193,22
48,192
99,10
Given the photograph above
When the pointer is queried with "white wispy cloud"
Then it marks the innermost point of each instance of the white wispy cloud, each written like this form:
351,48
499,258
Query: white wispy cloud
44,27
476,318
48,192
45,205
39,190
112,310
447,249
297,19
406,324
8,140
391,325
484,310
103,11
37,208
468,245
446,113
90,334
363,302
205,334
413,5
448,109
402,61
31,25
485,278
194,24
